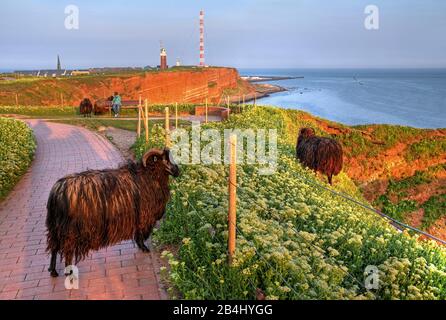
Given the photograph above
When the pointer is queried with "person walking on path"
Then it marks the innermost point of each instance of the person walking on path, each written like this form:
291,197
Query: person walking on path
116,104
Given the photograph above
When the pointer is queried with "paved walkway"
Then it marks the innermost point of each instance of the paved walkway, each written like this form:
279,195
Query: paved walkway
118,272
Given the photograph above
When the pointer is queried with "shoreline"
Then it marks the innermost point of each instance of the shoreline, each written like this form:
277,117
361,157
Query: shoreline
261,91
254,79
266,89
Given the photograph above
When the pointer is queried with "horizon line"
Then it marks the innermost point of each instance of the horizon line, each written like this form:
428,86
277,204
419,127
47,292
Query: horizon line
11,70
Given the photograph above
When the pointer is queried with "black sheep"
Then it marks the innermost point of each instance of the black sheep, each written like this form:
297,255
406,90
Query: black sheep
86,107
95,209
319,153
101,106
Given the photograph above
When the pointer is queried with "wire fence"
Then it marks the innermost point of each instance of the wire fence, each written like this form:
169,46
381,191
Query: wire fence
320,250
397,224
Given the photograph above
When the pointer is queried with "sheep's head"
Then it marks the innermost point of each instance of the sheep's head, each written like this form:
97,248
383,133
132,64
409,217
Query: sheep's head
306,133
162,161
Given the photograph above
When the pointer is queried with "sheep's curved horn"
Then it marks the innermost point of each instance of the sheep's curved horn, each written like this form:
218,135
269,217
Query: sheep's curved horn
150,153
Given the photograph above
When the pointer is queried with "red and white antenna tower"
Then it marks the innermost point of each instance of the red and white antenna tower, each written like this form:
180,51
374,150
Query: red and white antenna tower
201,38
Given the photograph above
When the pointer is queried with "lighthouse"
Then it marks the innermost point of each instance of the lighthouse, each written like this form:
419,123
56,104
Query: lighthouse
163,56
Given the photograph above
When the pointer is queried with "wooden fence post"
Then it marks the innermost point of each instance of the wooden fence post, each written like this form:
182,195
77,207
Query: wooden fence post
17,99
176,115
243,105
139,116
167,127
206,110
232,218
255,99
146,120
139,121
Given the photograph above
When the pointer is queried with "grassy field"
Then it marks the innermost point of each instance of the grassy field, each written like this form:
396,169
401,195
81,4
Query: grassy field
17,148
69,111
294,240
39,112
131,125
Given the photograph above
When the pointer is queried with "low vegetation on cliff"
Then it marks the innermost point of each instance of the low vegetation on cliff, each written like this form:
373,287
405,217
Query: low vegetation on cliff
17,148
294,240
401,170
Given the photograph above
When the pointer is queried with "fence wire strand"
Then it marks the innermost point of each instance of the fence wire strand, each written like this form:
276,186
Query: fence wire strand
397,224
322,252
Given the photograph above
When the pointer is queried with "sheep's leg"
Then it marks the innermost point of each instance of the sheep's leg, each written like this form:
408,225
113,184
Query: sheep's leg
52,268
140,243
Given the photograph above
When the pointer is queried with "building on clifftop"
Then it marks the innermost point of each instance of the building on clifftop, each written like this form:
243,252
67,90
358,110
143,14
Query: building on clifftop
163,56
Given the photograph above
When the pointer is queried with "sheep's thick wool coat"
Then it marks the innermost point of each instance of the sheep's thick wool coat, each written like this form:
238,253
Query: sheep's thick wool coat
318,153
86,107
96,209
101,106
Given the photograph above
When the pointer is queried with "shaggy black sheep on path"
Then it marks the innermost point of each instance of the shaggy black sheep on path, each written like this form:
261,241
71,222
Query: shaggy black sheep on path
86,108
318,153
102,106
95,209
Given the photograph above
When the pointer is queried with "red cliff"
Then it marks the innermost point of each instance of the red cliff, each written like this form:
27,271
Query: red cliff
188,85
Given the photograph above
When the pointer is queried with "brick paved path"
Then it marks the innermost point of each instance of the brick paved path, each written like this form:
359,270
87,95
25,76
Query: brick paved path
118,272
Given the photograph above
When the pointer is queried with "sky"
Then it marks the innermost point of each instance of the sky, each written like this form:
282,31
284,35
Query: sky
239,33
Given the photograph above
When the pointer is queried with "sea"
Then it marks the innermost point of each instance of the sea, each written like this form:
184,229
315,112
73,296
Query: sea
408,97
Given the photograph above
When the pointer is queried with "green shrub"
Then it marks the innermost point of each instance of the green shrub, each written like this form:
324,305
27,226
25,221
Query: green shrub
434,208
419,178
426,149
17,148
396,210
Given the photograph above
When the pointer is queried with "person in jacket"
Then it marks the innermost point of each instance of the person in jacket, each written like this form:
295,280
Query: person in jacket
116,104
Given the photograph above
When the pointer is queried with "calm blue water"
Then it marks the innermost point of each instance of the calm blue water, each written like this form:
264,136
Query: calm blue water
406,97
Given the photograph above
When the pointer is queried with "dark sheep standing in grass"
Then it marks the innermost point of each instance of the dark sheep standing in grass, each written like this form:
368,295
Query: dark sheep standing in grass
102,106
96,209
86,108
318,153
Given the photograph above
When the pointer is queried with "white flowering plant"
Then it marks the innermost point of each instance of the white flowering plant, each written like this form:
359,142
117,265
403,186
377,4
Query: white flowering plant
17,146
294,240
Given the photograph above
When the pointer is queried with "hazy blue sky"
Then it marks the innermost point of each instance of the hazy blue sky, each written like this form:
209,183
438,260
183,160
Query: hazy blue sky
241,33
